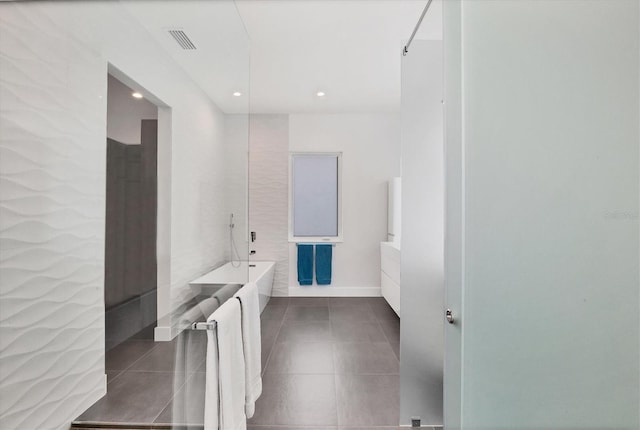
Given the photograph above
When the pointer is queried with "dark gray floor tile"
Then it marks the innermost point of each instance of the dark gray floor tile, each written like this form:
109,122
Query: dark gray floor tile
278,301
307,313
187,352
368,400
303,345
166,416
160,426
112,374
357,331
273,312
373,428
133,397
348,301
381,308
290,428
305,331
390,325
365,358
268,333
355,312
187,406
146,333
391,329
296,400
269,330
160,359
301,357
127,353
264,358
308,301
395,346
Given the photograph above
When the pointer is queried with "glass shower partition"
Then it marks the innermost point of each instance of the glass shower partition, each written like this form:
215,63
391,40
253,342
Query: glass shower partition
422,262
191,60
226,78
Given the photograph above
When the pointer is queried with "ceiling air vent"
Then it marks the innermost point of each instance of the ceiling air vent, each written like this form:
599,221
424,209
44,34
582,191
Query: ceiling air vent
182,39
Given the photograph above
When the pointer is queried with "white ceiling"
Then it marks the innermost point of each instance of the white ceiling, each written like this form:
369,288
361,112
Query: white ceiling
350,49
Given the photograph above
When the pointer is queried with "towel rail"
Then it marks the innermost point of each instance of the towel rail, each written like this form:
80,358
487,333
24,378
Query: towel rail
211,325
207,325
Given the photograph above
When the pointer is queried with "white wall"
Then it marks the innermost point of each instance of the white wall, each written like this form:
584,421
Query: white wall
550,203
53,85
125,112
370,144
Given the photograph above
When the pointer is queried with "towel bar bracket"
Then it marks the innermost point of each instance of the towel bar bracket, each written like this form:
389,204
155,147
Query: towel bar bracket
204,325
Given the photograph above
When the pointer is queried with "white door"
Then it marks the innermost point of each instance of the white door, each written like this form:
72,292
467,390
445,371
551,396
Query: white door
542,214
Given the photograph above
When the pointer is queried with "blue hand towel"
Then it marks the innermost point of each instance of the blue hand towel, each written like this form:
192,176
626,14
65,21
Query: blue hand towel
305,264
323,264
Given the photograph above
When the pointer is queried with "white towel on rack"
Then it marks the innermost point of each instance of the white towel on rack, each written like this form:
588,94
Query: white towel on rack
225,385
248,296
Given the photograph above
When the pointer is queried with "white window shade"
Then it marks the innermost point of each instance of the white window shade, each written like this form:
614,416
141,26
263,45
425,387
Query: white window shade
315,196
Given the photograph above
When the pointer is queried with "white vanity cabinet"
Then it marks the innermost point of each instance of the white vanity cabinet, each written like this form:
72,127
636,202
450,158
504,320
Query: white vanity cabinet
390,274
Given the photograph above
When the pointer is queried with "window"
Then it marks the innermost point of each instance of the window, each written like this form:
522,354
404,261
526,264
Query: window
314,197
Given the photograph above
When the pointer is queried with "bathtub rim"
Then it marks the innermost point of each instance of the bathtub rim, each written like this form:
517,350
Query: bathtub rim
207,278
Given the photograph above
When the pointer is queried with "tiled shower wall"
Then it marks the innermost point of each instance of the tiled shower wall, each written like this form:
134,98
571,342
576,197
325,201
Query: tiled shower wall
52,197
268,194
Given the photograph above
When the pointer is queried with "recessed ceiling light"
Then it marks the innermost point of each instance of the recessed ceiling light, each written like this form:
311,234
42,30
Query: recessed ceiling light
237,94
320,94
136,95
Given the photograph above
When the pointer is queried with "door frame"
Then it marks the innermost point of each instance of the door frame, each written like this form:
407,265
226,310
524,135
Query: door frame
163,330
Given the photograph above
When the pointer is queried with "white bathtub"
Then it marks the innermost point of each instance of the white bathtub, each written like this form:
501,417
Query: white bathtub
260,272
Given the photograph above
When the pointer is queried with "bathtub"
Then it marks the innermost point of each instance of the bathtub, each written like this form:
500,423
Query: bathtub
260,272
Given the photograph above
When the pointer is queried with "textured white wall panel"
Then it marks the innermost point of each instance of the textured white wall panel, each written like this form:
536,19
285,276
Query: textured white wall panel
52,186
237,180
269,194
54,59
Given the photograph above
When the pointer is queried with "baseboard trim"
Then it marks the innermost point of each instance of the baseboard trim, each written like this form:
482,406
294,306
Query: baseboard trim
162,334
435,427
329,291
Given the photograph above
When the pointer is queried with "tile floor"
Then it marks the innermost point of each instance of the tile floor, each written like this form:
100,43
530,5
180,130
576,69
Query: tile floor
328,363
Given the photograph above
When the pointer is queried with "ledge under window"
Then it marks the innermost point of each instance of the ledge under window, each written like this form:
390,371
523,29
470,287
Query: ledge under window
316,240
